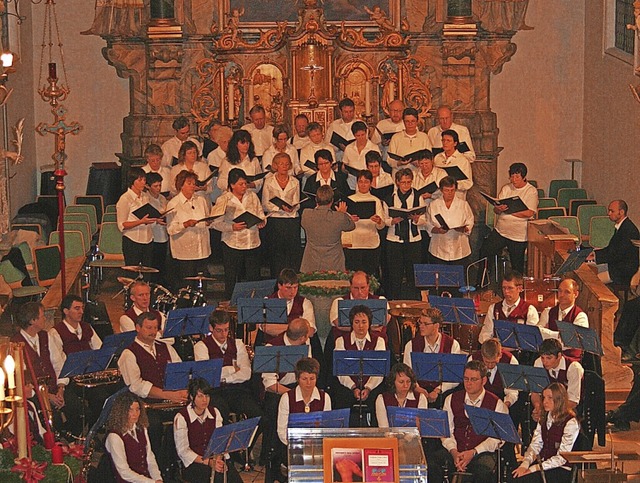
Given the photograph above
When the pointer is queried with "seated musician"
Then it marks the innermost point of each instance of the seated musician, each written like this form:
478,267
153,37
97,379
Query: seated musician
192,430
71,335
143,365
234,392
430,340
127,442
401,385
513,307
140,295
560,369
565,311
355,390
31,320
556,433
464,450
491,353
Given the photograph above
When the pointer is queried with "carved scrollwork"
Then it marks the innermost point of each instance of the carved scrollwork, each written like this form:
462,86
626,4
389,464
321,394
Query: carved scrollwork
353,37
205,104
417,86
269,39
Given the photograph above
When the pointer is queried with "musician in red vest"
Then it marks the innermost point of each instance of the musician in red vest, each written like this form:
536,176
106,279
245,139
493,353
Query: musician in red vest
31,320
355,390
430,340
565,311
491,353
127,442
192,430
143,365
235,390
556,433
560,369
401,392
140,295
513,307
464,450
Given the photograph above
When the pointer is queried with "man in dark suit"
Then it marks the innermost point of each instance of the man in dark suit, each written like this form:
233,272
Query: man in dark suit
620,255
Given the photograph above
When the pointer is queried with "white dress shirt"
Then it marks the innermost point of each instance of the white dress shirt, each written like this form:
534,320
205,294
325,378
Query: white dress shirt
486,332
299,142
171,147
200,168
251,167
374,381
229,373
456,159
127,204
382,180
115,447
248,238
385,126
290,193
58,356
356,159
433,349
452,245
308,154
581,319
262,138
381,409
127,325
333,312
365,236
343,129
511,226
569,436
403,144
435,137
190,243
575,372
181,432
420,181
283,409
510,395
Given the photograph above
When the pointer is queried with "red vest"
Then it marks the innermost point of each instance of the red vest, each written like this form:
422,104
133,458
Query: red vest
70,342
199,433
571,354
369,345
131,313
520,311
215,352
466,437
151,369
496,387
41,363
562,375
389,399
418,344
551,439
298,406
136,453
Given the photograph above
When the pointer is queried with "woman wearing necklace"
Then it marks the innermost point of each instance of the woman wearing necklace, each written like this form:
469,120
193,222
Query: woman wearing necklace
188,159
192,429
283,232
401,392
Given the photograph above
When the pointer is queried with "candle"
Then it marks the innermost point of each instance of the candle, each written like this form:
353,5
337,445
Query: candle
392,91
52,71
230,100
367,98
250,103
56,454
1,385
49,440
10,367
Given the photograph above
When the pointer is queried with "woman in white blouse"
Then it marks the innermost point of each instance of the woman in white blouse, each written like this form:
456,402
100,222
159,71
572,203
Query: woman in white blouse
240,154
450,156
283,232
188,159
240,243
281,145
188,237
449,243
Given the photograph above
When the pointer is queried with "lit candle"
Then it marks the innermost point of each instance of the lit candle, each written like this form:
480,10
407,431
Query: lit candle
230,100
10,367
392,91
367,98
53,75
1,385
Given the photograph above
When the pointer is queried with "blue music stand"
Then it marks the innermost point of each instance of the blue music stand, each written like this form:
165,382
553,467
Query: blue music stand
119,341
232,437
492,424
86,362
102,419
249,290
338,418
178,374
576,337
378,308
433,275
278,358
189,321
432,423
455,310
361,363
523,378
518,336
262,311
439,367
574,261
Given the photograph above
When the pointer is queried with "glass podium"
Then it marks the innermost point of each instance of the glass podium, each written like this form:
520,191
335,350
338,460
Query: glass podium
306,451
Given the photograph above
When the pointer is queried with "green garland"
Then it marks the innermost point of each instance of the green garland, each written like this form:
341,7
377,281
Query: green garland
310,290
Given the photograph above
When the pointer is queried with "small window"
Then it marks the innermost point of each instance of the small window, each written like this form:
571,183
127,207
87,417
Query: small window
624,15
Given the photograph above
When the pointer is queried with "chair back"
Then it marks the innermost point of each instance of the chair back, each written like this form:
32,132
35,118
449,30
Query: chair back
544,213
110,209
83,228
489,216
110,241
109,217
89,210
47,259
547,203
11,274
600,231
565,195
556,184
74,245
577,203
95,200
586,212
570,223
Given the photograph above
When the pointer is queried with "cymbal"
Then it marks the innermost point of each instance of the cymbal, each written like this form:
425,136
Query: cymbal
140,269
200,278
125,280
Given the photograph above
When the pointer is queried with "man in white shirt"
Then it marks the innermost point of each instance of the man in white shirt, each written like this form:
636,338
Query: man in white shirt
342,126
153,155
445,121
171,147
492,354
407,141
316,143
511,228
300,137
386,127
261,132
140,295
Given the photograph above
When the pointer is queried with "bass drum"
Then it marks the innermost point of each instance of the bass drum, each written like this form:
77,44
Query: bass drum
188,297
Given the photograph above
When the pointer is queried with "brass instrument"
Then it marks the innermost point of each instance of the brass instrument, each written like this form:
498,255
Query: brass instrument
47,411
163,405
95,379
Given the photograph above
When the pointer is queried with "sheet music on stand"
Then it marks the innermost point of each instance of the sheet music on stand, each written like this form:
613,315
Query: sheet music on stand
178,374
378,309
574,261
577,337
455,310
518,336
361,363
189,321
523,378
337,418
232,437
249,290
119,341
87,362
262,311
440,367
432,423
278,358
433,275
492,424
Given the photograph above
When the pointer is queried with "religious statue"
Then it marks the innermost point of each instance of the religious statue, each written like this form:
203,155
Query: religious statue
117,17
379,16
234,22
501,15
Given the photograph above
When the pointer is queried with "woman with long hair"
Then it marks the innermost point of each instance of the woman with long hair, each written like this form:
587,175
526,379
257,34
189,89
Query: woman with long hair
128,443
241,154
556,433
401,392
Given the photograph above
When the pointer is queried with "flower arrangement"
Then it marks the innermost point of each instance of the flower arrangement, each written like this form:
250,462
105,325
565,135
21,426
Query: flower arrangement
328,283
40,468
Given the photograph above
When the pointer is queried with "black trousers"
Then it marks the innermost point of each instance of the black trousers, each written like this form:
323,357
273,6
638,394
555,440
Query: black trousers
557,475
186,268
236,262
137,253
495,242
160,262
367,260
482,467
283,244
400,260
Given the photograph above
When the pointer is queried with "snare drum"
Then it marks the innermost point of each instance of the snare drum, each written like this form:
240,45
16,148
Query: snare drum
541,293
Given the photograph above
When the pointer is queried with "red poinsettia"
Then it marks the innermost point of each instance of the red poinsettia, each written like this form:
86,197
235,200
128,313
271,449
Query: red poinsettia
31,471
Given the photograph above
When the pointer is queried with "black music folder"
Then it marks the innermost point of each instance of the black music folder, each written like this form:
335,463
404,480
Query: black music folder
249,218
462,148
338,140
383,193
429,188
362,209
406,213
455,172
514,203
